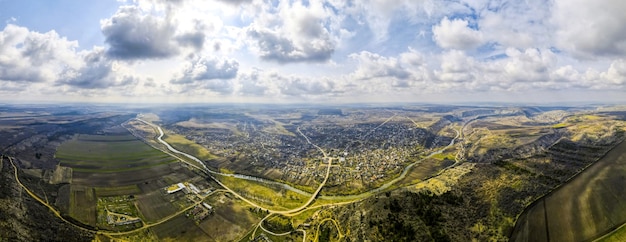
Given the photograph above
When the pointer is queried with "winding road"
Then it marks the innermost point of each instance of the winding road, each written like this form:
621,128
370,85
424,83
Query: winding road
207,171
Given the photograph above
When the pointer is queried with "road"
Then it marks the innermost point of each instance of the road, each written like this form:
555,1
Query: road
316,193
172,151
38,199
341,235
239,176
106,233
209,172
397,179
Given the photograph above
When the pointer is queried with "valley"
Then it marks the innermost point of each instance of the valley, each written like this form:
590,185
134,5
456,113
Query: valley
319,174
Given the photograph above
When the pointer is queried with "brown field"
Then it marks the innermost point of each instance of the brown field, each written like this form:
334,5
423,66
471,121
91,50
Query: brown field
590,205
123,178
154,206
83,204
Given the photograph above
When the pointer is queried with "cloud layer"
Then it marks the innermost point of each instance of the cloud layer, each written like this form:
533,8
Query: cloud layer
328,51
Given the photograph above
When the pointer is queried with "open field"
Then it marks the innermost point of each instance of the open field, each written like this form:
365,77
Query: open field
109,154
591,204
180,228
231,220
83,204
181,143
117,191
109,167
124,178
154,206
424,170
266,195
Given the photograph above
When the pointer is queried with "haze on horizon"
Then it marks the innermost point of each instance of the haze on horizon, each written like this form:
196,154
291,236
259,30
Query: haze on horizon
313,51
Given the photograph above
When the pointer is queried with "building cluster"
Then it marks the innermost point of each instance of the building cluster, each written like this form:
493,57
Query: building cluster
186,187
365,151
199,212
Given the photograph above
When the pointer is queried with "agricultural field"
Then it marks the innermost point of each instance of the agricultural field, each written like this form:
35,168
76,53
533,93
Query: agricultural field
588,206
83,204
155,206
232,218
109,154
119,178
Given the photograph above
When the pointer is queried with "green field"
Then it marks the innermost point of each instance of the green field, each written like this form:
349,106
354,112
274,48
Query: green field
615,236
111,166
183,144
265,195
109,154
83,204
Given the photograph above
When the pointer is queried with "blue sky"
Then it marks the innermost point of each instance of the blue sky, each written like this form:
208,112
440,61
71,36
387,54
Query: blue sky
313,51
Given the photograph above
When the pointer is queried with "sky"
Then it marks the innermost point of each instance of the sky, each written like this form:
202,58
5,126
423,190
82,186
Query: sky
310,51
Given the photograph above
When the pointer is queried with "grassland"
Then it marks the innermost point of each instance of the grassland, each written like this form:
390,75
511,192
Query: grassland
263,194
181,143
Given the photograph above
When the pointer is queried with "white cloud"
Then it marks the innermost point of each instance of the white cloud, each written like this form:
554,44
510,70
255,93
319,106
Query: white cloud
517,24
134,34
28,56
456,34
616,74
96,72
293,32
204,68
337,50
374,66
590,29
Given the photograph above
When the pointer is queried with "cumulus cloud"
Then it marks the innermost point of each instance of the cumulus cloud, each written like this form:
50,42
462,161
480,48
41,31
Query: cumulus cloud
517,24
374,66
590,29
297,33
456,34
133,34
206,68
616,74
28,56
97,71
252,83
259,82
305,87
